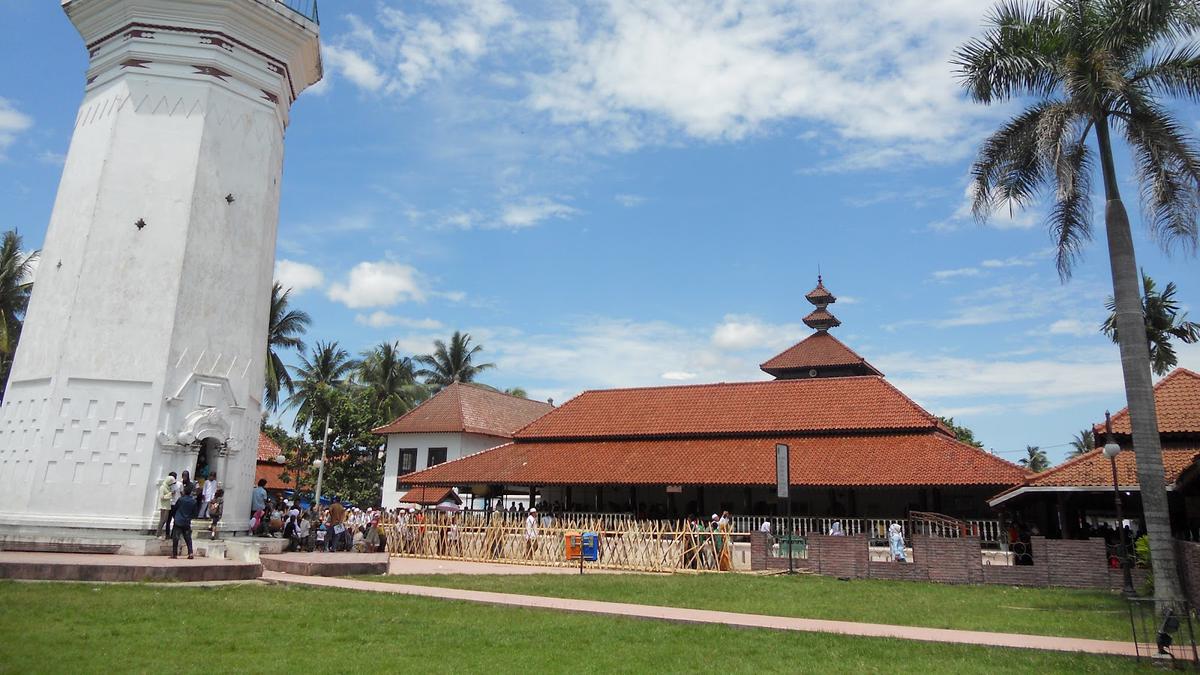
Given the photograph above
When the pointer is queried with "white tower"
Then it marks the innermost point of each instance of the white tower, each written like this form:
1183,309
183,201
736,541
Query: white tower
144,344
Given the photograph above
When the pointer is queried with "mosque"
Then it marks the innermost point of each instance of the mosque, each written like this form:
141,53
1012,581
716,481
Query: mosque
858,446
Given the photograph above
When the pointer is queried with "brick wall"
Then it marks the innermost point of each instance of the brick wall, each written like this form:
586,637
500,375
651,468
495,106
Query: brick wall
1056,562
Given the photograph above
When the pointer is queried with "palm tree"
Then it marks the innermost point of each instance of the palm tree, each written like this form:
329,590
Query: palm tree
283,332
318,378
519,392
1163,322
1094,66
1083,443
392,380
453,363
16,283
1035,459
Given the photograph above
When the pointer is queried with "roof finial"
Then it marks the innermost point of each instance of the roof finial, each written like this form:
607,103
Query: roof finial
820,318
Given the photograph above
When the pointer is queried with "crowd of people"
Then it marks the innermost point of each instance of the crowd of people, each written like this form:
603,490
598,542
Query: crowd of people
182,500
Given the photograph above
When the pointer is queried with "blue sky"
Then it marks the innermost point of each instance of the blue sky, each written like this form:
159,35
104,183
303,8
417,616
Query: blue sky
619,193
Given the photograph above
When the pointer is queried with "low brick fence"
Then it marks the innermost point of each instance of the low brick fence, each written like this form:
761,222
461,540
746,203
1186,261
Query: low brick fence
1056,562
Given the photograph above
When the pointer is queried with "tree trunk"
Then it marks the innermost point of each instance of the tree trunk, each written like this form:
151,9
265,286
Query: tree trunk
1139,387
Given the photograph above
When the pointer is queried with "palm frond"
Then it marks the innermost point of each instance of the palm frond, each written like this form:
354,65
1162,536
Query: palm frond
1016,55
1173,72
1129,27
1168,168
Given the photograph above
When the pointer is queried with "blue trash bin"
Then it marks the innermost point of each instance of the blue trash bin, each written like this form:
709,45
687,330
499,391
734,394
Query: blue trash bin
591,546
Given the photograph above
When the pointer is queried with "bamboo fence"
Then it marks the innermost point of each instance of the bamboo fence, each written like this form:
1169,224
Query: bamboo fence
643,546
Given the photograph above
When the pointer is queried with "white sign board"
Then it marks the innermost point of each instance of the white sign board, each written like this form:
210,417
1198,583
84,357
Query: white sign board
781,470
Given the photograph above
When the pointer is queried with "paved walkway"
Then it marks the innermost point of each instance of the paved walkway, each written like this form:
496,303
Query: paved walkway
704,616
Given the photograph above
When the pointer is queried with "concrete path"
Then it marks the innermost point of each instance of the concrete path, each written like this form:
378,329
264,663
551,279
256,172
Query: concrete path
704,616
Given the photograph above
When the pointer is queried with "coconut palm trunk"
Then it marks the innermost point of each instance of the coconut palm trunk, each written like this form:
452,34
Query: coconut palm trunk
1091,67
1139,384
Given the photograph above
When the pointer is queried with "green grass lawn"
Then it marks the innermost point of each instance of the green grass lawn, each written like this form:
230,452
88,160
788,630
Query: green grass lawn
84,628
1004,609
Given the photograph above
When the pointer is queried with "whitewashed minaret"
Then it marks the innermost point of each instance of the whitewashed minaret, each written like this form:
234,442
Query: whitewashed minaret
144,344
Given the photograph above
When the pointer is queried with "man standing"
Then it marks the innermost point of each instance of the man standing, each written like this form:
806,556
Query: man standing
337,521
258,505
531,533
166,495
185,510
210,491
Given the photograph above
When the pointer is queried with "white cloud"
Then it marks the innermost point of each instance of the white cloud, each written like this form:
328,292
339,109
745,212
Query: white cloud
12,122
1001,219
629,201
378,284
382,319
412,50
298,276
722,70
354,67
1074,327
533,211
999,383
678,375
625,73
737,332
943,275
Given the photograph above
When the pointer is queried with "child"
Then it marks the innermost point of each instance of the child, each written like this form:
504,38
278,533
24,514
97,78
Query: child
214,512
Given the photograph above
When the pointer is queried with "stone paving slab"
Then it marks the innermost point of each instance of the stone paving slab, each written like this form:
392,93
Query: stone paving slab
327,564
100,567
704,616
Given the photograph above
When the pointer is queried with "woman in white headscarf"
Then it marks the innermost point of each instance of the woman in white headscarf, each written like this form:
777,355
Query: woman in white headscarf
836,530
896,541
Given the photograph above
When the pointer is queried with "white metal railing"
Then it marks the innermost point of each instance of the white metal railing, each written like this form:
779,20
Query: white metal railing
988,531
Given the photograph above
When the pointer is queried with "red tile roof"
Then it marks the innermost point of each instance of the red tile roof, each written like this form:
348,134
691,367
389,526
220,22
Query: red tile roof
468,408
821,405
1177,402
268,449
816,351
821,318
273,473
1094,470
820,295
429,496
846,460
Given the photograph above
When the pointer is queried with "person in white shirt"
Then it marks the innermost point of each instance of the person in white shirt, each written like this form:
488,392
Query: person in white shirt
531,533
210,491
765,528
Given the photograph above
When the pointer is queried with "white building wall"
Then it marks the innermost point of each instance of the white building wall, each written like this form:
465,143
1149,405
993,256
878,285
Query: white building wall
457,445
140,342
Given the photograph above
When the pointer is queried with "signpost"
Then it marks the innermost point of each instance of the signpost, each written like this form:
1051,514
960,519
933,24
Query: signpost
782,483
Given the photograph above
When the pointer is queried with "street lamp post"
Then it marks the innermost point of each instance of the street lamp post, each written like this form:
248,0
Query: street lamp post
1111,450
319,464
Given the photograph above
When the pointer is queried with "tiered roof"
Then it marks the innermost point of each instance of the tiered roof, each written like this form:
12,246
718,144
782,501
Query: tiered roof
817,406
842,460
817,351
468,408
847,426
843,432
